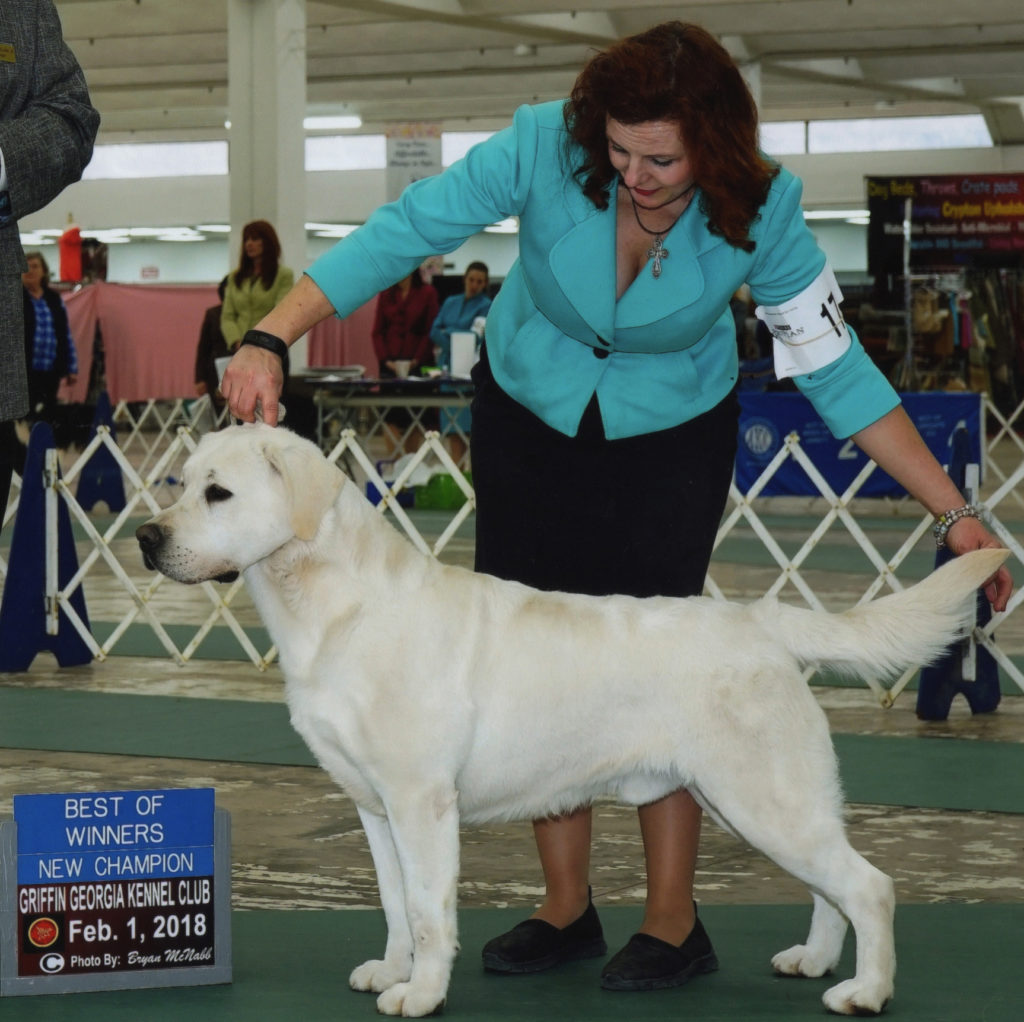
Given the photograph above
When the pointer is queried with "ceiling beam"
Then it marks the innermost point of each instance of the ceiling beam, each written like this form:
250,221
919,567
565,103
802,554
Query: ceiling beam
799,71
1005,122
570,27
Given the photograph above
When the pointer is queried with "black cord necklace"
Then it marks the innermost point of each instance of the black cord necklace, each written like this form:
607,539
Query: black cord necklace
657,251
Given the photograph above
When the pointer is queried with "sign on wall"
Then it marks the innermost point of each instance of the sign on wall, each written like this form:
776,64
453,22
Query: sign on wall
956,220
413,152
102,891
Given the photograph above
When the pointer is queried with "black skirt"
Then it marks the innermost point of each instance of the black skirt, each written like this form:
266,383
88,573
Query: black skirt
586,514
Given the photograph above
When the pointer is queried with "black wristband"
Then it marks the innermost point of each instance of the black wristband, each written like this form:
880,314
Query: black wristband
261,339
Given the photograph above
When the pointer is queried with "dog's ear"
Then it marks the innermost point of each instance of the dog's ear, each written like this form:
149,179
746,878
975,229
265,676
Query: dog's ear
311,482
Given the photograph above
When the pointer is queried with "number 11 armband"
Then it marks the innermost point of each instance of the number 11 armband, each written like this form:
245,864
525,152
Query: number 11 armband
808,331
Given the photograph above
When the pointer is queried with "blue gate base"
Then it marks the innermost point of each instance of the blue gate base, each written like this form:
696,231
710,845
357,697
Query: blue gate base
943,681
23,610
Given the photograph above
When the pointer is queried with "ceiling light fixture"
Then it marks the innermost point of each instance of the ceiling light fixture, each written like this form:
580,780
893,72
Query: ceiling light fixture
335,123
834,214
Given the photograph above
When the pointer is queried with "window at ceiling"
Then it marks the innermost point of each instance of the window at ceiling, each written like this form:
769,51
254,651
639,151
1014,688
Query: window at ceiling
781,138
883,134
323,152
346,152
369,152
455,144
157,159
875,134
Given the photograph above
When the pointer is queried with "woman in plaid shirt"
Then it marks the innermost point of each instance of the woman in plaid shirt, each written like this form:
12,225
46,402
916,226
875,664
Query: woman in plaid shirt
50,354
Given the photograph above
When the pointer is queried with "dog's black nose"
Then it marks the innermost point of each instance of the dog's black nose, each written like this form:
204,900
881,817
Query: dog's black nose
149,537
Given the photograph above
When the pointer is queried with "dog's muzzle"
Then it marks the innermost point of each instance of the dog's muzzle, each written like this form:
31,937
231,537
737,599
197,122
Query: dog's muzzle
152,539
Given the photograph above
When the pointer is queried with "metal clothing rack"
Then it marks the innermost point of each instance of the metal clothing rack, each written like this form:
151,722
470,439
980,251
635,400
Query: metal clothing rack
907,376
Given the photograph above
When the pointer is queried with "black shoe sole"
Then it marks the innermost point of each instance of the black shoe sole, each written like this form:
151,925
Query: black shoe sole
497,963
698,967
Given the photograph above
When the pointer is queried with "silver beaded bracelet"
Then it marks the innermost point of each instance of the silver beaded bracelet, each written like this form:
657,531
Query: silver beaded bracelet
947,519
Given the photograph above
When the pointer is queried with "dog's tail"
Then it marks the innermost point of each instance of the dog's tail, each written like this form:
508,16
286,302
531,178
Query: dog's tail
885,636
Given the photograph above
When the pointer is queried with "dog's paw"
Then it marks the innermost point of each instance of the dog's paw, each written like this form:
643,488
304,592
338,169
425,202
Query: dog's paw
409,1001
854,997
377,976
801,960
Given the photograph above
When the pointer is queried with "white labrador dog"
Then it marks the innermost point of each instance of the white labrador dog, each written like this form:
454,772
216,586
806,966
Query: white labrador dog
435,695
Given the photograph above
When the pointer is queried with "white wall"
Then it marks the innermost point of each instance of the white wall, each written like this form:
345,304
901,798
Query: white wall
846,245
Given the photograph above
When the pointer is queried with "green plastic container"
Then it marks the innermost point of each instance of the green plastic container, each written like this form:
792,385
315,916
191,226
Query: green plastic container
441,493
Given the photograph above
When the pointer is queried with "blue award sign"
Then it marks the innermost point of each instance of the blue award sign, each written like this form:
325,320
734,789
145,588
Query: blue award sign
106,890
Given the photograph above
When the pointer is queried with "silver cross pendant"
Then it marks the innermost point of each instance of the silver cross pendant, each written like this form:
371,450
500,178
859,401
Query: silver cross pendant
657,252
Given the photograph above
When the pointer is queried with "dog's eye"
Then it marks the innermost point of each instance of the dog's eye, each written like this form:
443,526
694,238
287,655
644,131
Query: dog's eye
214,494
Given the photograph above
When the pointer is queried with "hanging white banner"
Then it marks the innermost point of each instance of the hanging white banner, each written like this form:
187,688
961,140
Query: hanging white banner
414,152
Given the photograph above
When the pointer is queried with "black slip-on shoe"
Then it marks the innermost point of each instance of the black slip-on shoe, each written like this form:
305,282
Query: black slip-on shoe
534,945
647,963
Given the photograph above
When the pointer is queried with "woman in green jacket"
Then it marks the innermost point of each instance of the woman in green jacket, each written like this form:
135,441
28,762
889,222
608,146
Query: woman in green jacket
258,284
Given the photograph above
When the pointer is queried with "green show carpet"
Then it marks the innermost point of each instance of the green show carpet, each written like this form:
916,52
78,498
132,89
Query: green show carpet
957,963
219,643
935,773
231,731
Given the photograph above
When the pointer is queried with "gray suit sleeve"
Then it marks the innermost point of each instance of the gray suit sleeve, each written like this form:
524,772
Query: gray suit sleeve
47,137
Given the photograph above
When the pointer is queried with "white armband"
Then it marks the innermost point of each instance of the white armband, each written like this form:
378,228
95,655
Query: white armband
808,332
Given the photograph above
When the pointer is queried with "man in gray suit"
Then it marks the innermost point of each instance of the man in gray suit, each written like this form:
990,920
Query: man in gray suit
47,128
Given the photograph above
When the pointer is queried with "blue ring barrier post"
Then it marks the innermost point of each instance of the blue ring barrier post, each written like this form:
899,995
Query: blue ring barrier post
101,477
940,683
23,609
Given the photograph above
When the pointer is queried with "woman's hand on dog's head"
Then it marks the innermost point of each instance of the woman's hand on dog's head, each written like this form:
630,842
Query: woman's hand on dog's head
252,385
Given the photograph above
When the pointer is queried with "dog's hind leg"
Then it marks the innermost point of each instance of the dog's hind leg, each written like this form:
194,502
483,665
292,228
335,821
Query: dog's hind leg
824,944
844,884
867,898
425,828
787,807
396,966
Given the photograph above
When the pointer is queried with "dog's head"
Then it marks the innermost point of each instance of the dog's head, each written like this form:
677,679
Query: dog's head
249,490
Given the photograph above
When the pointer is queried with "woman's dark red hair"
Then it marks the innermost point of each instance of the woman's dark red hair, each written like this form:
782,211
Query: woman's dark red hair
269,261
676,72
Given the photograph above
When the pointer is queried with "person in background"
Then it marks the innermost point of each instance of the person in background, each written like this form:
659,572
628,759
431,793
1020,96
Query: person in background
256,285
401,334
402,323
644,202
47,129
50,353
459,312
211,347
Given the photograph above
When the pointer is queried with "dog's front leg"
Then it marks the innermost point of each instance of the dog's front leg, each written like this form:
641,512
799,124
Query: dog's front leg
396,966
425,830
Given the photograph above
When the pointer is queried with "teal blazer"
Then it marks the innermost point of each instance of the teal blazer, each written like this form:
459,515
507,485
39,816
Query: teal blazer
661,354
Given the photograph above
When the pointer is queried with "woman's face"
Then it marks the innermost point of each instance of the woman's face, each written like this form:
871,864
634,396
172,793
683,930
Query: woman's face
474,282
253,247
32,278
651,160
